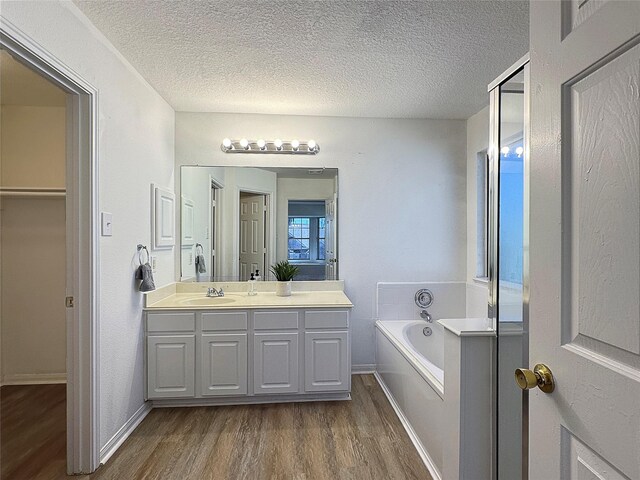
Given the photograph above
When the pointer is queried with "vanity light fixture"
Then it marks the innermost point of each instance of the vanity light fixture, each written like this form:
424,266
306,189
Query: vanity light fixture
294,147
519,151
505,151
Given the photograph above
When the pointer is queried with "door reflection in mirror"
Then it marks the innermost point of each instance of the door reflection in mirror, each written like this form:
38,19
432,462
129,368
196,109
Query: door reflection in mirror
248,218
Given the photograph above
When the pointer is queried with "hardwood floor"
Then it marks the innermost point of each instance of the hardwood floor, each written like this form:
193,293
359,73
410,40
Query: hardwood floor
360,439
33,432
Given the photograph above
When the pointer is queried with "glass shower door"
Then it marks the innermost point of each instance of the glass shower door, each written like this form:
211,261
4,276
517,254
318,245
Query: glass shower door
508,268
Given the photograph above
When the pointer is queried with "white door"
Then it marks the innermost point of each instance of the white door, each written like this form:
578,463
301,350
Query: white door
171,366
223,364
252,228
275,363
585,238
326,366
331,221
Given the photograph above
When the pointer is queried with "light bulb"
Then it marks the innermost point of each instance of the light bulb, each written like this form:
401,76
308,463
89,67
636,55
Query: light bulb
295,144
262,145
278,144
226,143
519,151
505,151
244,143
311,144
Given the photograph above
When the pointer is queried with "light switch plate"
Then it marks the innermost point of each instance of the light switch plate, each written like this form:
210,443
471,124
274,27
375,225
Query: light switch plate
153,260
107,224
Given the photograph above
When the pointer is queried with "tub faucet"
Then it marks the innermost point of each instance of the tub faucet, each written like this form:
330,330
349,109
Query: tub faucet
212,292
426,316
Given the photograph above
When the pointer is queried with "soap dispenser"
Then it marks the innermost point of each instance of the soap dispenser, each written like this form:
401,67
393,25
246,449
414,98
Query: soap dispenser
257,276
252,286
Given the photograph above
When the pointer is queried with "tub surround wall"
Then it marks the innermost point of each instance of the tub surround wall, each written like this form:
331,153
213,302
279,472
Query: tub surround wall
467,444
386,166
135,148
477,300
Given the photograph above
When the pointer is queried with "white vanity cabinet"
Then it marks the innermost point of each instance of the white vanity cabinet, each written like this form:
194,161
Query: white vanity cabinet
223,353
170,355
226,356
327,359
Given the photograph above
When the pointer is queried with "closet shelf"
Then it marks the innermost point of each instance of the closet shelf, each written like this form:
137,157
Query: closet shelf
32,192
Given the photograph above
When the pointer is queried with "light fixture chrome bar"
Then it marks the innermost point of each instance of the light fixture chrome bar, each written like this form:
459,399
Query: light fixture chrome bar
278,147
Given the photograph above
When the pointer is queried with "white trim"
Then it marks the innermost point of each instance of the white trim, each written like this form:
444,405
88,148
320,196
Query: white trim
82,244
123,433
363,369
34,379
424,455
251,400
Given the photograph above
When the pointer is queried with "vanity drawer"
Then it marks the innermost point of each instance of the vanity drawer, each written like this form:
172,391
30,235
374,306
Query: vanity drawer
224,321
326,319
171,322
275,320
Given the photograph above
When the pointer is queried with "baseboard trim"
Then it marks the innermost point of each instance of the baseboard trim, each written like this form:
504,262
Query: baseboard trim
424,455
365,368
123,433
34,379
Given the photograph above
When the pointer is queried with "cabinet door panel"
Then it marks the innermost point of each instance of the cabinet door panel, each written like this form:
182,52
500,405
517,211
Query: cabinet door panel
171,364
223,364
326,361
275,363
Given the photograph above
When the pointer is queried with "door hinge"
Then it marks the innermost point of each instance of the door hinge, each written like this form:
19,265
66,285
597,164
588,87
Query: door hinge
69,302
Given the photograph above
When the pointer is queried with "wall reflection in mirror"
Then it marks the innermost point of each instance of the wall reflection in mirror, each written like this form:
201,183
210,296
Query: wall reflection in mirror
239,220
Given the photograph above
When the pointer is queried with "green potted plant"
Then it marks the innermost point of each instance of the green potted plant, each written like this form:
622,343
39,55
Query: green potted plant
284,273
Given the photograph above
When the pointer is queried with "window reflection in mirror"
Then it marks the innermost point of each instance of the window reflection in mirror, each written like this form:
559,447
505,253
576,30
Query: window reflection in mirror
236,220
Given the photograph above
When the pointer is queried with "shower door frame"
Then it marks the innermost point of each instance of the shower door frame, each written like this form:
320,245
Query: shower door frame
82,238
494,244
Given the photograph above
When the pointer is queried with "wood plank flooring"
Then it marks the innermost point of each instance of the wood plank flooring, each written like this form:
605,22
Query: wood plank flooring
33,440
360,439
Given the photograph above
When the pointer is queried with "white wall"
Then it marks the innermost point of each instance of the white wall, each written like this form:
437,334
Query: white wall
136,147
477,141
402,206
32,235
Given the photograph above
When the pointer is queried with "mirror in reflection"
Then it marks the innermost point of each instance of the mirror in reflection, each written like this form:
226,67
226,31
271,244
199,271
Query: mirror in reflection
236,221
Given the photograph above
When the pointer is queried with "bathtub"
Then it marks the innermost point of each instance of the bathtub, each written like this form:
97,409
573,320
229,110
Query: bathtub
410,369
450,427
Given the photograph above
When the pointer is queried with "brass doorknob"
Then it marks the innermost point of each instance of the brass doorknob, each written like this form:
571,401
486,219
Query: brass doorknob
540,377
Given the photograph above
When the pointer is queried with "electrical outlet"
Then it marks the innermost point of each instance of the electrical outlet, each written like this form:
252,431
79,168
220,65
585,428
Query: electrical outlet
154,263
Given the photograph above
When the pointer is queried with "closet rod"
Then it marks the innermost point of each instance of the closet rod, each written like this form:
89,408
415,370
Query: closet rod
32,192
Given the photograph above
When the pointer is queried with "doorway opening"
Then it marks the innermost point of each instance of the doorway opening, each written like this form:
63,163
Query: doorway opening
79,235
32,260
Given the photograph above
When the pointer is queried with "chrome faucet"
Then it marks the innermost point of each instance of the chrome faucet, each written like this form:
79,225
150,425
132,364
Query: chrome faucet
212,292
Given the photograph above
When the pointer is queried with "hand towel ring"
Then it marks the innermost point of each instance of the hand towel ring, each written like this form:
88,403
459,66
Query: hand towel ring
140,249
201,251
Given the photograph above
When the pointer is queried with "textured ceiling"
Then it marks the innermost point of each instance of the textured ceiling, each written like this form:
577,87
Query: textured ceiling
416,59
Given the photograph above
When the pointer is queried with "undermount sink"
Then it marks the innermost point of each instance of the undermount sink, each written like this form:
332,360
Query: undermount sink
200,301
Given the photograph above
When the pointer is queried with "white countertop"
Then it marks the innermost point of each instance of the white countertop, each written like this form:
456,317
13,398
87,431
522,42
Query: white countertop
469,327
238,300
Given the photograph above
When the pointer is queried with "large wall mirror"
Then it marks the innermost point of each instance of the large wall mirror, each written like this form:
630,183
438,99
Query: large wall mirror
236,220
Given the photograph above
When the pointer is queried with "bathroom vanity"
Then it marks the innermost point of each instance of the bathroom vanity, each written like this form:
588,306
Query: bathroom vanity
246,349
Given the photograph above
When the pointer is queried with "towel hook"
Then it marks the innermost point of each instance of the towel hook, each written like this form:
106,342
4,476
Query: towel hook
140,249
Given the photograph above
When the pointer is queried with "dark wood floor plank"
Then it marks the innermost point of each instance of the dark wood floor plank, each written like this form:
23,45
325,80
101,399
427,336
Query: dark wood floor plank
350,440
